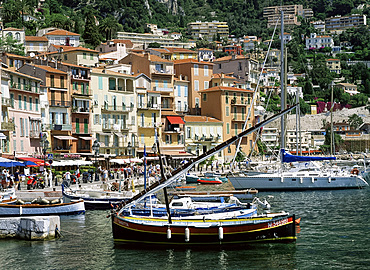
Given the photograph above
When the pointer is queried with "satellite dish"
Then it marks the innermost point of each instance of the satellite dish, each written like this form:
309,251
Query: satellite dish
32,54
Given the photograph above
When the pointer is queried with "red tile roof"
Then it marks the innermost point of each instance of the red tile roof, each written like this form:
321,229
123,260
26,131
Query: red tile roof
50,69
35,38
61,32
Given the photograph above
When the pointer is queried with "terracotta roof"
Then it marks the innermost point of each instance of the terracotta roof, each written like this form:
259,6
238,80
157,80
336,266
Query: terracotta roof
225,88
204,49
73,65
70,48
154,58
107,71
128,42
35,38
160,50
191,60
218,75
50,69
167,113
22,74
18,56
200,119
61,32
12,29
229,57
174,50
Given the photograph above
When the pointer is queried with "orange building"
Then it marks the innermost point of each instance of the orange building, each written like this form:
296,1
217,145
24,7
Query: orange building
230,105
199,74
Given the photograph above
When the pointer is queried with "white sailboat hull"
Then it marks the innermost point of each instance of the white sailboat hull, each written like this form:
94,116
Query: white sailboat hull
281,182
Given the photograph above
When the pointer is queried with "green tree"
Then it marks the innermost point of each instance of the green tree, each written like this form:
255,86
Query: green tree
91,34
355,121
109,26
10,45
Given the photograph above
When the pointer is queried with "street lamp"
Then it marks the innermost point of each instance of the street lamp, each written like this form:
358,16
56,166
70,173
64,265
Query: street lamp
154,148
44,145
197,149
95,148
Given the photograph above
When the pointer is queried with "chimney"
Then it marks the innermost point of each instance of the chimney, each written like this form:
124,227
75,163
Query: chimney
147,55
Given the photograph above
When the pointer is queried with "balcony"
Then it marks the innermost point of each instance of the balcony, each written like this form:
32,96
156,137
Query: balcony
80,77
114,127
239,102
9,126
146,125
35,134
80,110
62,127
6,102
163,71
81,129
174,130
112,108
23,87
59,103
163,89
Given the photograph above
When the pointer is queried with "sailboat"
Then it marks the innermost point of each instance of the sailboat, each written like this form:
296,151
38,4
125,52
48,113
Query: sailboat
305,177
199,231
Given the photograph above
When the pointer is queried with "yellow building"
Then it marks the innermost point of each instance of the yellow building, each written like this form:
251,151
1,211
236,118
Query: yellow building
230,105
74,55
174,53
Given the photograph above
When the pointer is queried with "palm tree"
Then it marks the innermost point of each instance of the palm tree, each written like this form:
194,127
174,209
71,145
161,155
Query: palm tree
109,26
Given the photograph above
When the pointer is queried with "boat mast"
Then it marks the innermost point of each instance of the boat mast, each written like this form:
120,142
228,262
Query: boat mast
282,94
164,178
332,146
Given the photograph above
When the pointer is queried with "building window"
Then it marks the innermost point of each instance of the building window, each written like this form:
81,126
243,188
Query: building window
204,97
236,129
227,128
227,97
25,103
185,91
91,56
52,83
179,91
197,103
196,70
206,84
19,102
100,83
206,71
30,101
188,132
227,110
61,81
196,85
84,55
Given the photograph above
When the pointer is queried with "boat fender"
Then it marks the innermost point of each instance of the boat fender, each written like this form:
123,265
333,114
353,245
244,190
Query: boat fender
19,202
54,201
312,180
44,201
34,201
187,234
220,233
301,180
20,210
282,179
329,179
168,233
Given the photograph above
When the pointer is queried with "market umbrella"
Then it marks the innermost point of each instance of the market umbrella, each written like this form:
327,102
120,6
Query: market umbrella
29,163
4,162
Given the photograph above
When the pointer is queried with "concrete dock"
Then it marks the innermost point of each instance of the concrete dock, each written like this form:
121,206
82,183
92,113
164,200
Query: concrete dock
30,228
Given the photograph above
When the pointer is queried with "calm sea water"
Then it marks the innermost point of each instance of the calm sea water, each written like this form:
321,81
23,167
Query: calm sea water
334,234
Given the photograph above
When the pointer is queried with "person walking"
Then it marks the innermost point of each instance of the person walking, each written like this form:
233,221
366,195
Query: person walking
16,180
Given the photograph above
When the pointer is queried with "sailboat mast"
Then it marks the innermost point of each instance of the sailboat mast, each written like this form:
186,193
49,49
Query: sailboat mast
282,95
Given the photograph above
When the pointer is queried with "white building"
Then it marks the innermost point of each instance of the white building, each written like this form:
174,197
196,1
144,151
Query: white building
317,42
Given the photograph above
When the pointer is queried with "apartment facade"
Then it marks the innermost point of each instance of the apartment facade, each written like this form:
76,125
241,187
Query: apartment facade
230,105
317,42
199,75
333,65
208,30
291,13
34,45
341,23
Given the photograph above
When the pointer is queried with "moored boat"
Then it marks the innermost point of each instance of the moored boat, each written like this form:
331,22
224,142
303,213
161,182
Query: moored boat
42,209
191,179
209,181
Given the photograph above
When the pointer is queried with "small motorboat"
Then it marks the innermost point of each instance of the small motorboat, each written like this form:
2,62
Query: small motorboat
209,181
190,179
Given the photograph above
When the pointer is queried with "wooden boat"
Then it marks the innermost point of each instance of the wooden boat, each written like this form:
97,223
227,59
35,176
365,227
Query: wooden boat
8,196
246,195
199,231
184,188
95,199
209,181
187,233
42,209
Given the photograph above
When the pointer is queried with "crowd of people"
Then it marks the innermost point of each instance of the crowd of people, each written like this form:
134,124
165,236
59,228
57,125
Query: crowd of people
10,180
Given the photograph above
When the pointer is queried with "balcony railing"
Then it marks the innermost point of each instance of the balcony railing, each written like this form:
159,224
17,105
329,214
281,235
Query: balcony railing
117,108
6,102
35,134
63,127
114,127
163,89
59,103
174,130
80,110
81,130
161,71
146,125
24,87
8,126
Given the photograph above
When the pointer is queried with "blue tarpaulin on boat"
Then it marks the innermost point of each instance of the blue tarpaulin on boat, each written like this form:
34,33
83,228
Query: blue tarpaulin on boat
287,157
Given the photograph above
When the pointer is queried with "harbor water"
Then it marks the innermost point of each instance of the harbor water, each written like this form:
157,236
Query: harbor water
333,234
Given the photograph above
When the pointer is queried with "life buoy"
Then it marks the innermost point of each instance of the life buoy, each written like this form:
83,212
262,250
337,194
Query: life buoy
355,171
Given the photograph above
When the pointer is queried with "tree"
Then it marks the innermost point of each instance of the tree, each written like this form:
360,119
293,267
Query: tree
109,26
10,45
355,121
91,34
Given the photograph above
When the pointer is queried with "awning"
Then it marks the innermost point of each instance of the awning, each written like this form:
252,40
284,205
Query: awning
87,138
35,118
175,120
65,138
118,134
39,162
2,136
104,134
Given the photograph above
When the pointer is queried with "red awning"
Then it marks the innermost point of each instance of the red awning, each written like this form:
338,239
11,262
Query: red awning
39,162
175,120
